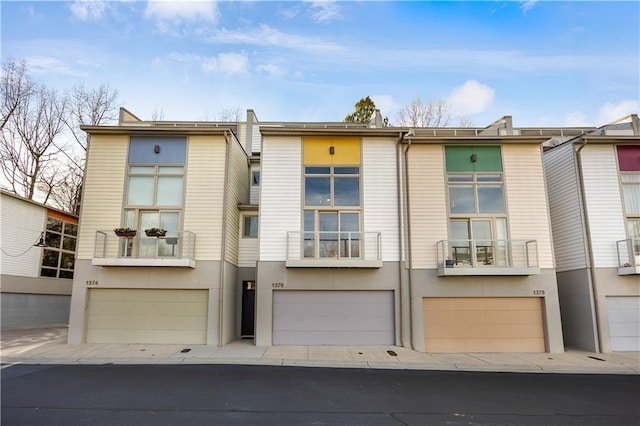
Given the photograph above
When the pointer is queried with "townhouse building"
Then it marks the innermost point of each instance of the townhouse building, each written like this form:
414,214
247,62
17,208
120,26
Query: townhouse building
594,195
186,178
37,261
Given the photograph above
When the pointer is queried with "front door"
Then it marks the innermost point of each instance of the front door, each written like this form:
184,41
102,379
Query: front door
248,309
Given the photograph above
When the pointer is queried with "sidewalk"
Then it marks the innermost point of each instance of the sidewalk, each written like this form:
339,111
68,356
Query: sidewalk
47,345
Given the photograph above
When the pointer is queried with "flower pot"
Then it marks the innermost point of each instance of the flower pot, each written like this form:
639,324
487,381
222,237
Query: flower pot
128,234
155,233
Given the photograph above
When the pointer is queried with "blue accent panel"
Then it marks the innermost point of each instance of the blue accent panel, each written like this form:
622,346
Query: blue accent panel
172,150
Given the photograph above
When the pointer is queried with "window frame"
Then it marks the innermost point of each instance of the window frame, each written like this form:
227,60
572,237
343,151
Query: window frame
249,235
60,251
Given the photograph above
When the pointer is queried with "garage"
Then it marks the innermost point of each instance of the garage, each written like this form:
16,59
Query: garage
479,324
624,322
333,318
147,316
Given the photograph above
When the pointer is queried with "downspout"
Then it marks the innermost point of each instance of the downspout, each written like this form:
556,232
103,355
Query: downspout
401,243
409,249
223,240
592,272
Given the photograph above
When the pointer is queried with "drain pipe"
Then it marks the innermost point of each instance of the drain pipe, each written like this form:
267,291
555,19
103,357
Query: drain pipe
403,336
592,272
409,249
223,241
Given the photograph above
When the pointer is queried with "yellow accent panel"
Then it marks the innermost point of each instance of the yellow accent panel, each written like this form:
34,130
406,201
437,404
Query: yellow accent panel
346,151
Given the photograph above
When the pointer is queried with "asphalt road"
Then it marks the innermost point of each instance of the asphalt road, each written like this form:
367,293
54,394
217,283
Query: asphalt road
264,395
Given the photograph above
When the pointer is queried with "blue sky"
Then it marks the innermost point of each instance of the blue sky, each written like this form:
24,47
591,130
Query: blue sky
546,63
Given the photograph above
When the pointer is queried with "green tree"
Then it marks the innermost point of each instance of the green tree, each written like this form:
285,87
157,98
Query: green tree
364,110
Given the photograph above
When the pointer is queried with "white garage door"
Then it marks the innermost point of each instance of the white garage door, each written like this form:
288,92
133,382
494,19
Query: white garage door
483,324
333,318
624,323
147,316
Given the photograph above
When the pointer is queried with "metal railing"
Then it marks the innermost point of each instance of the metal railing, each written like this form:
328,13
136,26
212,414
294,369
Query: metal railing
628,253
338,245
174,245
487,253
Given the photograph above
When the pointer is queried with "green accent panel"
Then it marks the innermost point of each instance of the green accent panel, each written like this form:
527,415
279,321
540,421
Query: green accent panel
458,158
489,159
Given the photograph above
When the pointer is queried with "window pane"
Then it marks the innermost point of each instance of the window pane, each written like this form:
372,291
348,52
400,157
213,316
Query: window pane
346,170
317,191
70,229
250,226
461,199
142,170
130,219
489,178
346,191
460,178
255,178
66,274
490,199
317,170
309,224
54,224
69,243
140,190
168,170
169,191
169,221
631,198
46,272
349,241
460,251
50,258
634,228
349,222
52,240
67,261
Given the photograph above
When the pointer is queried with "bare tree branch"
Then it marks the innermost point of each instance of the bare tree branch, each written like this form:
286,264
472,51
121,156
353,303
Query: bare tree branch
16,86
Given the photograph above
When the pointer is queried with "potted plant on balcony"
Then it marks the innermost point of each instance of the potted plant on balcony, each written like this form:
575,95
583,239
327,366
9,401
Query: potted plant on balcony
155,232
125,232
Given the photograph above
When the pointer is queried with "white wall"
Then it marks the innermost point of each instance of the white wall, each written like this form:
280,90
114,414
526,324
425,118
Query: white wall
566,209
380,194
280,207
22,223
604,203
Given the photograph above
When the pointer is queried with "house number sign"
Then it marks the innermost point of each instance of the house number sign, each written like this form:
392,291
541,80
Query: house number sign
277,285
538,292
92,283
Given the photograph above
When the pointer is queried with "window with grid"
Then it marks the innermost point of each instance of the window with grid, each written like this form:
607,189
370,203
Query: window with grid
58,258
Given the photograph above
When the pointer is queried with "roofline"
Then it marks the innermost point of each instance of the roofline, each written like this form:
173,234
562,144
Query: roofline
44,206
331,131
176,129
608,139
476,140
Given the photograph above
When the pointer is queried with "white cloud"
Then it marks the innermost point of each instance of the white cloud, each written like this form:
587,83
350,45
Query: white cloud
228,63
386,104
325,11
527,5
576,119
170,15
51,65
272,69
610,112
86,10
267,36
471,98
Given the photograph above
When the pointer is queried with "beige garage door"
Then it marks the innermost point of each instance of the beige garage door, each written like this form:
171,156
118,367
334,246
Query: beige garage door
147,316
474,324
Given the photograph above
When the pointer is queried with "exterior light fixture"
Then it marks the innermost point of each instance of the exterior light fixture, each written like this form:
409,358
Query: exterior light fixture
332,150
156,149
40,242
474,158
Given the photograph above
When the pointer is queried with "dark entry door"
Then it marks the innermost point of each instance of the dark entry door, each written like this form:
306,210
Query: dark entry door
248,307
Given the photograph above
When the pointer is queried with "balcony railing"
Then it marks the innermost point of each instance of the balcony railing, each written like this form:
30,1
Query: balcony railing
487,257
628,256
334,249
173,249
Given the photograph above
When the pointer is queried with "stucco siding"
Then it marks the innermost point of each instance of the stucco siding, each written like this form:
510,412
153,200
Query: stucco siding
428,204
604,203
380,194
565,209
280,209
103,189
205,193
22,223
526,198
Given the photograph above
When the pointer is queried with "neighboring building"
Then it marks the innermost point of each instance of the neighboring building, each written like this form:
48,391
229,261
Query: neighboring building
37,261
594,194
187,178
482,275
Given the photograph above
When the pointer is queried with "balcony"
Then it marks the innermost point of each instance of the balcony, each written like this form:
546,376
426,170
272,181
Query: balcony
334,250
176,249
628,256
487,257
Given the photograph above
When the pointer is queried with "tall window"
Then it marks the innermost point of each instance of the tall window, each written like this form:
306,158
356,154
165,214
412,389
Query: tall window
629,163
250,226
332,212
155,193
477,213
58,258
